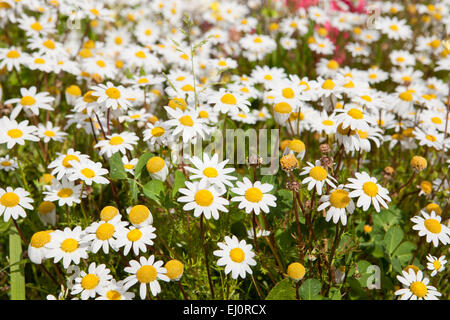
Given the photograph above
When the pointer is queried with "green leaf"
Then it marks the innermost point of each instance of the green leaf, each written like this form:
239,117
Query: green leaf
4,226
17,269
153,189
141,164
133,189
335,294
283,290
396,265
392,239
117,170
310,289
404,252
178,183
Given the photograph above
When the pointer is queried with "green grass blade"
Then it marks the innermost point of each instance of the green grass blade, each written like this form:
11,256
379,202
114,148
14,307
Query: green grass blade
17,269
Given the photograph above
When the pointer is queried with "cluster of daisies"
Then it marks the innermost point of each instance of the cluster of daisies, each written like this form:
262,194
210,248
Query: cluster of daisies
130,76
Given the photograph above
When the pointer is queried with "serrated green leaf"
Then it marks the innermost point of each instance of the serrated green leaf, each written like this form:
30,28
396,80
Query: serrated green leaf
404,252
153,189
335,294
392,239
310,289
283,290
117,170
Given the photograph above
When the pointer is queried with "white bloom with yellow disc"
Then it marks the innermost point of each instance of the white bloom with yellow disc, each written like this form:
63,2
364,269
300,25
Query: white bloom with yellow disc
317,177
368,191
338,203
146,271
415,287
136,238
89,172
435,264
118,142
431,227
62,164
236,256
203,199
104,234
91,283
64,191
254,196
12,132
13,203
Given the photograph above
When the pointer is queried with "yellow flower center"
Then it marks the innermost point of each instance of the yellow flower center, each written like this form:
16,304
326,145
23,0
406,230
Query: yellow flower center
436,264
49,133
157,131
114,141
367,98
296,271
69,245
355,113
288,93
88,173
257,40
333,65
436,120
13,54
155,164
36,26
134,235
318,173
105,231
430,138
146,274
90,281
339,199
433,207
139,214
406,96
268,77
283,107
426,187
113,93
204,198
370,188
128,166
228,98
9,199
394,27
108,213
39,239
27,101
253,195
174,268
6,163
187,87
210,172
186,121
433,225
68,158
89,98
418,289
49,44
113,295
237,255
327,122
101,63
328,84
15,133
65,193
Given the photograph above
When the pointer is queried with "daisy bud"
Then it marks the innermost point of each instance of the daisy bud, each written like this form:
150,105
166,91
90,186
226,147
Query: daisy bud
324,148
289,162
174,269
108,213
327,162
413,267
418,163
47,213
389,171
293,185
367,229
433,207
36,249
296,271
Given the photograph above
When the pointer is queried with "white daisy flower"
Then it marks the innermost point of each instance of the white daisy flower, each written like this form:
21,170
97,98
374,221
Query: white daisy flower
103,234
236,256
185,124
129,165
111,96
65,192
136,238
212,171
225,101
67,245
317,177
435,264
431,227
8,164
146,271
338,203
31,102
48,132
12,132
13,203
118,142
91,283
88,171
254,196
62,164
415,287
368,191
203,199
114,290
